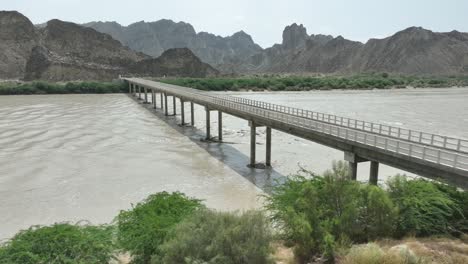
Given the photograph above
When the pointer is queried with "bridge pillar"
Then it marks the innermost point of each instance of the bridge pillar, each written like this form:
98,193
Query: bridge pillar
208,136
353,160
268,147
166,113
130,88
174,108
162,103
220,126
146,95
374,172
139,92
192,116
153,92
253,143
182,111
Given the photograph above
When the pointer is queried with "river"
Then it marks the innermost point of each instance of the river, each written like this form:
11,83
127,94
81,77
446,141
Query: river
85,157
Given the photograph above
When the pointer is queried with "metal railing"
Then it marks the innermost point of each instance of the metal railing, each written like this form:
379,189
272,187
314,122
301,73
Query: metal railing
420,137
445,157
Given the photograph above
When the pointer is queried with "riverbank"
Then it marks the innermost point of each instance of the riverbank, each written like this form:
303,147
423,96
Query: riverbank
298,83
27,88
248,83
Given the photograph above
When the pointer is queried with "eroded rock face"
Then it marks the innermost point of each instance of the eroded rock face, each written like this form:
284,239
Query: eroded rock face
412,51
17,38
153,38
62,51
174,62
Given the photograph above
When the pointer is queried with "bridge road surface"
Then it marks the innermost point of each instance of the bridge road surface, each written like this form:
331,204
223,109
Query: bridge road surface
432,156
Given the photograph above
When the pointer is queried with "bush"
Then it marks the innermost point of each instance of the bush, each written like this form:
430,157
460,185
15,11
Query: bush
143,229
317,212
59,243
423,208
69,88
217,237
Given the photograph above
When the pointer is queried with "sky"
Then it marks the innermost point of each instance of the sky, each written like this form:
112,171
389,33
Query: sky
264,20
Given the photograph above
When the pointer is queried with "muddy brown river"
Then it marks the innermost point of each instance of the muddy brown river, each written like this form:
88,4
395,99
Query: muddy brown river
85,157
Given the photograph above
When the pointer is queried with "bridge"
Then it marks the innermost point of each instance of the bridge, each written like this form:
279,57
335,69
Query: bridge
428,155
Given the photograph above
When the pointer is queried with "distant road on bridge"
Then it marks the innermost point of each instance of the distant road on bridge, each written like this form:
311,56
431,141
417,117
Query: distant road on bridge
425,154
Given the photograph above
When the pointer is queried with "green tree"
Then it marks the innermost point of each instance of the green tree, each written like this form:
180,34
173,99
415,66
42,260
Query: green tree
143,229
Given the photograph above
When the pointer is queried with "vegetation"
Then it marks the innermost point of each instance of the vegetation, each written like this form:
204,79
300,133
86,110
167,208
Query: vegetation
299,83
218,237
68,88
143,229
59,243
319,216
317,212
424,208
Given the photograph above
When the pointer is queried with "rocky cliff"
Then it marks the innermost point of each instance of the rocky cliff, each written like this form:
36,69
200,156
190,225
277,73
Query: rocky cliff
412,51
18,36
153,38
62,51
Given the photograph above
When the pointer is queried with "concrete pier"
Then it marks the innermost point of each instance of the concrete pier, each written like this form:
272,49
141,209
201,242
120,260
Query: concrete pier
139,92
146,95
162,100
268,147
153,99
253,143
208,134
174,105
166,113
220,126
374,172
182,112
192,114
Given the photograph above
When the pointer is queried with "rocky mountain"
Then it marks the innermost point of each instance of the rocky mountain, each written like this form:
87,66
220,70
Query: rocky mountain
18,36
62,51
153,38
412,51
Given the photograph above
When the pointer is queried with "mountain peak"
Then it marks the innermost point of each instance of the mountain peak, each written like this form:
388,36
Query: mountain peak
294,36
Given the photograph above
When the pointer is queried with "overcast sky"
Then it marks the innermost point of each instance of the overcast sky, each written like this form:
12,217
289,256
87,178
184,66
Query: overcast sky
264,20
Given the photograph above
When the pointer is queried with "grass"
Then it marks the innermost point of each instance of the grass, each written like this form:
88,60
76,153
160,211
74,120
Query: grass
299,83
12,88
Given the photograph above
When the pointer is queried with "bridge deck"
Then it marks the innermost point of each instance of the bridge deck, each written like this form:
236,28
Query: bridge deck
426,154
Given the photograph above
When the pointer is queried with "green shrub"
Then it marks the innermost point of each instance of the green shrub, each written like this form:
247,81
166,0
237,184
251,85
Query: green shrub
317,212
423,208
59,243
458,221
69,88
218,237
143,229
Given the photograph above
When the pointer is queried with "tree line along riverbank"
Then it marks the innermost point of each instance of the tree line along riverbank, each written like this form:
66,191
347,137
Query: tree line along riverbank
325,218
254,83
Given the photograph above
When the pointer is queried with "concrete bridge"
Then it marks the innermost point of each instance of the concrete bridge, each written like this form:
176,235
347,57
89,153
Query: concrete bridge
432,156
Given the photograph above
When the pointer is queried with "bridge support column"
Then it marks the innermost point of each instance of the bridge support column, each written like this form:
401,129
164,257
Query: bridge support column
174,108
182,112
192,116
253,143
162,103
153,92
166,113
353,160
130,88
268,147
220,126
374,172
139,92
208,135
146,95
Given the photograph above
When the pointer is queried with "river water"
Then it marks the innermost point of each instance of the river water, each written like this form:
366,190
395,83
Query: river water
85,157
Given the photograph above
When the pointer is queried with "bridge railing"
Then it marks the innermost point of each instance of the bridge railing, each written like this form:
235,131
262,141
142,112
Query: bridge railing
420,137
404,147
